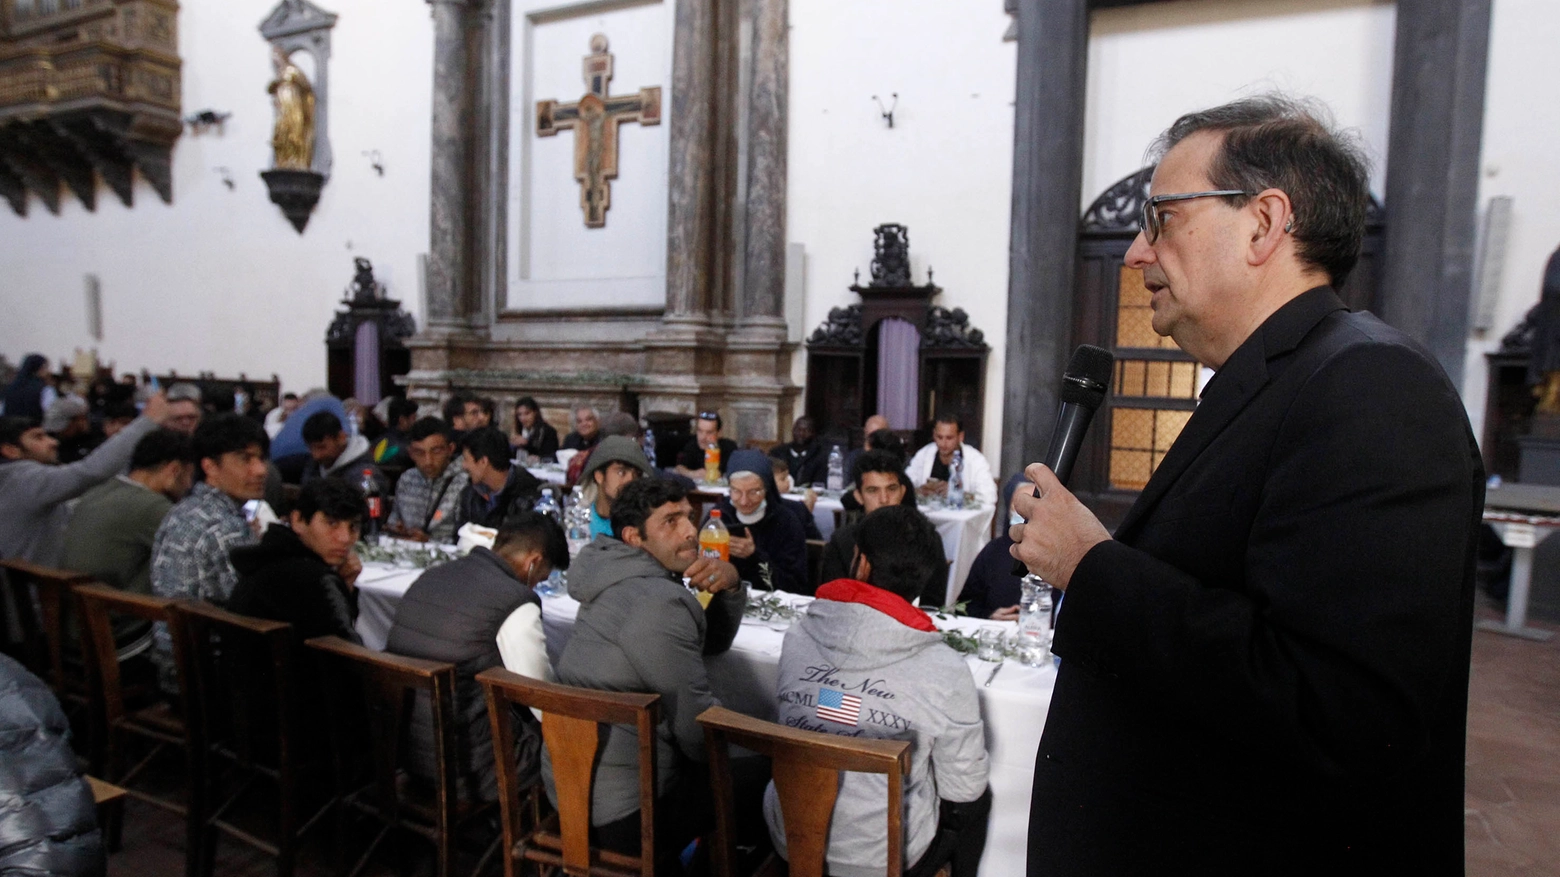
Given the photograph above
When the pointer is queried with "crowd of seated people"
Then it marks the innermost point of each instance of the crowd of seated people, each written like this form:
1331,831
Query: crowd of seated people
168,506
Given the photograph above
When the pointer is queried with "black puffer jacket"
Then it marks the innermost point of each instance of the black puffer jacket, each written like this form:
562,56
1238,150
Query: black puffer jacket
47,821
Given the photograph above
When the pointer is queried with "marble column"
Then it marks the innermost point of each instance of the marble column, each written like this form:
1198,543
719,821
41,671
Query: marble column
1440,58
450,226
1053,50
763,288
690,221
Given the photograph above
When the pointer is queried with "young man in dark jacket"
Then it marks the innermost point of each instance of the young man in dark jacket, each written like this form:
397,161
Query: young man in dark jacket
768,544
640,629
498,488
302,573
479,612
879,479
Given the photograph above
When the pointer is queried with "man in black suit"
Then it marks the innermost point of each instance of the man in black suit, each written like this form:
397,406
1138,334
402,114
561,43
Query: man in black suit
1266,671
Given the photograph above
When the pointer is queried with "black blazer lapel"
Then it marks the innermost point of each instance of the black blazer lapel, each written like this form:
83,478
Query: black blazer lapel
1243,375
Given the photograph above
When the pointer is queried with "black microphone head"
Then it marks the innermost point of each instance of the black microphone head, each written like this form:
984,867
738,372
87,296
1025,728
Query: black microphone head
1087,378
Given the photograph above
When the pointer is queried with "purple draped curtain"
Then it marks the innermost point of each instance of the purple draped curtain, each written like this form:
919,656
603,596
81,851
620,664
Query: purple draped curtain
899,372
365,363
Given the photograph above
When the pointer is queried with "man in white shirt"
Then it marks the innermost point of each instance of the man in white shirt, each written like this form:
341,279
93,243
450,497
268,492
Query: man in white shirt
930,464
480,612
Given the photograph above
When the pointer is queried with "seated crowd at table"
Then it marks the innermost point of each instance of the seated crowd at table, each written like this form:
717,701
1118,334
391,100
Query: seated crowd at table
260,514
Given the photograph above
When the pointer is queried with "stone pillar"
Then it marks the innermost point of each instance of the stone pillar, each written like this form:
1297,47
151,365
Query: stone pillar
1053,49
1437,121
690,221
450,226
763,288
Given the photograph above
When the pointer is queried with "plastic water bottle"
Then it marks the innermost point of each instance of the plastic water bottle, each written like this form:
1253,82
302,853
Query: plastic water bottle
548,506
578,522
649,447
836,469
375,502
956,480
1034,621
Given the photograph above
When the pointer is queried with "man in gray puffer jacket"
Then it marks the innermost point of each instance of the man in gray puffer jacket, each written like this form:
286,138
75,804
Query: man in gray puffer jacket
47,821
863,662
639,629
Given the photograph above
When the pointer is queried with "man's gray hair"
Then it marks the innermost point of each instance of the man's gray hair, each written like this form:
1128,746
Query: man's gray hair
182,392
1274,141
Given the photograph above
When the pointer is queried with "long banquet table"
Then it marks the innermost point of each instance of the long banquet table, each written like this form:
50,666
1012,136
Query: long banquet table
1013,705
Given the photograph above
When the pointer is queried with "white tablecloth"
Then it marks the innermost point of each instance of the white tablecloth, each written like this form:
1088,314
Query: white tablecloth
1013,706
964,532
549,473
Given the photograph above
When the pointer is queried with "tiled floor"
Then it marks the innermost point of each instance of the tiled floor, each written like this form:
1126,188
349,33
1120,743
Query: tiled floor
1512,816
1513,796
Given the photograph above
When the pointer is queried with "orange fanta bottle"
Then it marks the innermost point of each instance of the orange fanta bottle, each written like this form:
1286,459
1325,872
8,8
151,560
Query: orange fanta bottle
712,465
715,539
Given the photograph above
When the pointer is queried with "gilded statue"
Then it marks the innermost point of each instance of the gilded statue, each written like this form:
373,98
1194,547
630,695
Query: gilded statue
293,96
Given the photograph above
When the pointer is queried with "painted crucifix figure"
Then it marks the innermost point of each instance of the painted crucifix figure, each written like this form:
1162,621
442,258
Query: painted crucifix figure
595,118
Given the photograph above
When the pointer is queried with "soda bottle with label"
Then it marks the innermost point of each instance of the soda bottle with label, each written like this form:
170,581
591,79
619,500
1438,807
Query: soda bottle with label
712,465
374,501
715,539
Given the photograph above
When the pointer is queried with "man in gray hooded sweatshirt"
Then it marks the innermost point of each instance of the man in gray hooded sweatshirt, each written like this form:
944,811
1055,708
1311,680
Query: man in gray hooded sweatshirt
639,629
35,488
863,662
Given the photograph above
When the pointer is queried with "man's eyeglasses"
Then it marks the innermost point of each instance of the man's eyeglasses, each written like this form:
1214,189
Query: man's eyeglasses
1153,224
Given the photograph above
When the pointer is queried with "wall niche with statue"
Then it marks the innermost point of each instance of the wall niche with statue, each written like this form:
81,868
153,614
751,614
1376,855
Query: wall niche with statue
299,36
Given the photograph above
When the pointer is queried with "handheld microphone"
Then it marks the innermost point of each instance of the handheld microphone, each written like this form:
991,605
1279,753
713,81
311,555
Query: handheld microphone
1084,386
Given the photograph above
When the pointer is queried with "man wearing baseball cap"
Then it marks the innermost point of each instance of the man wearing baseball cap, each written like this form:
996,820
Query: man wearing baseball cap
613,465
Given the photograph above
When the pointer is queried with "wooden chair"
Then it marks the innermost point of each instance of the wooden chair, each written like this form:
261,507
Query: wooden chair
122,717
806,774
765,445
571,729
382,688
44,631
701,500
245,726
815,562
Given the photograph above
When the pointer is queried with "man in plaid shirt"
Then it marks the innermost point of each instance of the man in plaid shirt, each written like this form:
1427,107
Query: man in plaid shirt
190,552
427,497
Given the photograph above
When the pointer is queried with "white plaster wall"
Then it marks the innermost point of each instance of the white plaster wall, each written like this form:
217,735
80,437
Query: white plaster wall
944,170
1150,64
1521,128
219,280
556,261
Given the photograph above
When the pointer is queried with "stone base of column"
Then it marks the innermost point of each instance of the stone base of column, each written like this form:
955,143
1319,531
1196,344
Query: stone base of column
691,366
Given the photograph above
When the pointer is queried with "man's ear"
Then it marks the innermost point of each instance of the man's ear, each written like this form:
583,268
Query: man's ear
860,567
632,537
856,492
1274,216
209,467
10,451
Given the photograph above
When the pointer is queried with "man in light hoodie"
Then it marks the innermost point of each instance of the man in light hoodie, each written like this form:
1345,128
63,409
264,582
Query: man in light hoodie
863,662
335,453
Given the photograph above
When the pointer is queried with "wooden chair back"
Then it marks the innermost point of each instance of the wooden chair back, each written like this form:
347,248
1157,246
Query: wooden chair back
571,730
240,671
116,726
765,445
98,605
383,688
806,772
815,562
43,632
244,723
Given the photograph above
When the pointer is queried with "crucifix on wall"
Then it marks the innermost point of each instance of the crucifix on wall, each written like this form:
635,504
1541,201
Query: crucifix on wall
595,118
